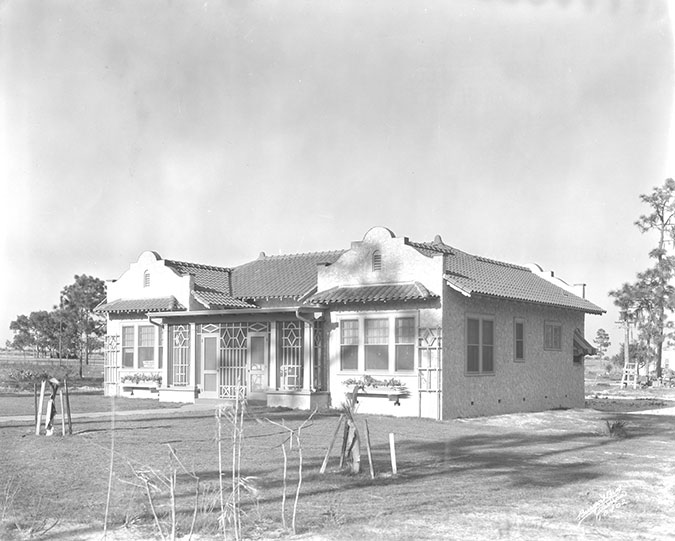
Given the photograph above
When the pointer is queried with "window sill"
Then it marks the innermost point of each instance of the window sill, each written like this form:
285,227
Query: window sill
478,374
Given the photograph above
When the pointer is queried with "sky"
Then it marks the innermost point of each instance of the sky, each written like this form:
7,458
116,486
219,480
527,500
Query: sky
520,130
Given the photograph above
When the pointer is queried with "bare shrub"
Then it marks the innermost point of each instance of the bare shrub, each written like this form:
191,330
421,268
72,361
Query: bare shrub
608,502
616,429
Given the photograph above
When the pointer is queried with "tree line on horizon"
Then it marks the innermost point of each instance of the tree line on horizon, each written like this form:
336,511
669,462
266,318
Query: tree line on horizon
70,330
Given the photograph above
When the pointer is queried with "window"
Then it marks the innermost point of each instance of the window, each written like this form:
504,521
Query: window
138,347
479,345
349,344
382,342
377,260
405,343
377,344
146,279
552,336
146,346
519,340
128,347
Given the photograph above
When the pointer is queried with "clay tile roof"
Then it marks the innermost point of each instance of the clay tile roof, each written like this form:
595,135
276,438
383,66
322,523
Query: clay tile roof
413,291
478,275
141,305
216,300
206,276
280,276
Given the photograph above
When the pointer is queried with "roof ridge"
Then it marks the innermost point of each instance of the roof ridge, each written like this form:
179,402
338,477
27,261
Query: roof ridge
300,254
172,262
501,263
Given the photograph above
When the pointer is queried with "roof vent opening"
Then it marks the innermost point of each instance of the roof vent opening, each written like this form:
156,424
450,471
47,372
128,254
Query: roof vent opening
377,260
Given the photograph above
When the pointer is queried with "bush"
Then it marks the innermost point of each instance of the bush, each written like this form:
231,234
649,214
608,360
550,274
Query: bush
25,378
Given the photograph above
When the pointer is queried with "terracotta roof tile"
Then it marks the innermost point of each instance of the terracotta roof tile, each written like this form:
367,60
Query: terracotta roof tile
206,276
413,291
216,300
478,275
279,276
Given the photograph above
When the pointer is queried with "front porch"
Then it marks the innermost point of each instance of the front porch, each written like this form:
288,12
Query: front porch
276,358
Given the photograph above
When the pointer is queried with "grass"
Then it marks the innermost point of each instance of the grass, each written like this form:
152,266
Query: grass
513,476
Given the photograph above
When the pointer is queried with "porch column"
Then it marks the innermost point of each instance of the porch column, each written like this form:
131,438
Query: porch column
192,354
307,357
165,356
273,375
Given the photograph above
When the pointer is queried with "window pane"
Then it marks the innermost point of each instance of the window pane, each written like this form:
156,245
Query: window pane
556,337
349,357
520,349
488,332
349,332
473,331
488,361
377,331
146,357
127,336
377,357
128,357
405,330
405,357
146,335
519,330
473,359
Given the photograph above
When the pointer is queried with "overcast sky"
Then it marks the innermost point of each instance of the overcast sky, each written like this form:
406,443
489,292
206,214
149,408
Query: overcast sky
521,130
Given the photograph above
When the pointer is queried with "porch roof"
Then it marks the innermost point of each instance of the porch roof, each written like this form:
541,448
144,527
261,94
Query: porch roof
411,291
140,305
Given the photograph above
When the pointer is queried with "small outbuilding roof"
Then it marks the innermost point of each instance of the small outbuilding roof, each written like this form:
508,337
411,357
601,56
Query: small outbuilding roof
375,293
140,305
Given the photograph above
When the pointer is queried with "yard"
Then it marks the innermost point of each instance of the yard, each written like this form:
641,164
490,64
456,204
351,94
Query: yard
550,475
531,476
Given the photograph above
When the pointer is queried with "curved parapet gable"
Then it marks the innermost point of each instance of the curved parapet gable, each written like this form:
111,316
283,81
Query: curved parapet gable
151,278
381,258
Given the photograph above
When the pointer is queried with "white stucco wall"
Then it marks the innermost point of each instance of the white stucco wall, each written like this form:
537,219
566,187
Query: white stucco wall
544,380
164,282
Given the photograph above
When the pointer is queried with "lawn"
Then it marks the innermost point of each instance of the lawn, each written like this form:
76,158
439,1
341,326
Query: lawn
521,476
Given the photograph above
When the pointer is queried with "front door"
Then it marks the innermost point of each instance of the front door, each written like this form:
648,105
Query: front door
210,360
257,365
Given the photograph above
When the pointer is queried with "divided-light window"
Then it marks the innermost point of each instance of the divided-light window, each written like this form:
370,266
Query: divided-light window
378,344
479,345
349,344
552,336
519,340
142,347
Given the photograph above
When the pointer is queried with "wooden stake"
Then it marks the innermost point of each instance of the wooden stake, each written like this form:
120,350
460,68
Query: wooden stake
392,451
330,447
63,414
39,411
345,437
70,421
35,403
370,455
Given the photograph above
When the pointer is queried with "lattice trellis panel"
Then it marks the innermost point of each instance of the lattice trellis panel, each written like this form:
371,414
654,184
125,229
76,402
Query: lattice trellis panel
429,351
319,382
180,362
233,353
290,366
111,359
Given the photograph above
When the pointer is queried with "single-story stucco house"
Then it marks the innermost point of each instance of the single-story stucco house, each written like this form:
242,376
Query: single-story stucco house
427,330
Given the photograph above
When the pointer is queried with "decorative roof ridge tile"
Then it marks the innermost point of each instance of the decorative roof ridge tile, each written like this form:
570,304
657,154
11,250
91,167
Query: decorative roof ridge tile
432,246
501,263
173,262
265,257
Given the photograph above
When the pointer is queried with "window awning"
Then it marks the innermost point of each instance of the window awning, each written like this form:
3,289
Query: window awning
412,291
581,346
140,305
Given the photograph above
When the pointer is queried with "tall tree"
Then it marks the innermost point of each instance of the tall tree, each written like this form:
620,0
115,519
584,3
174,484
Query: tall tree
78,302
648,301
602,342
